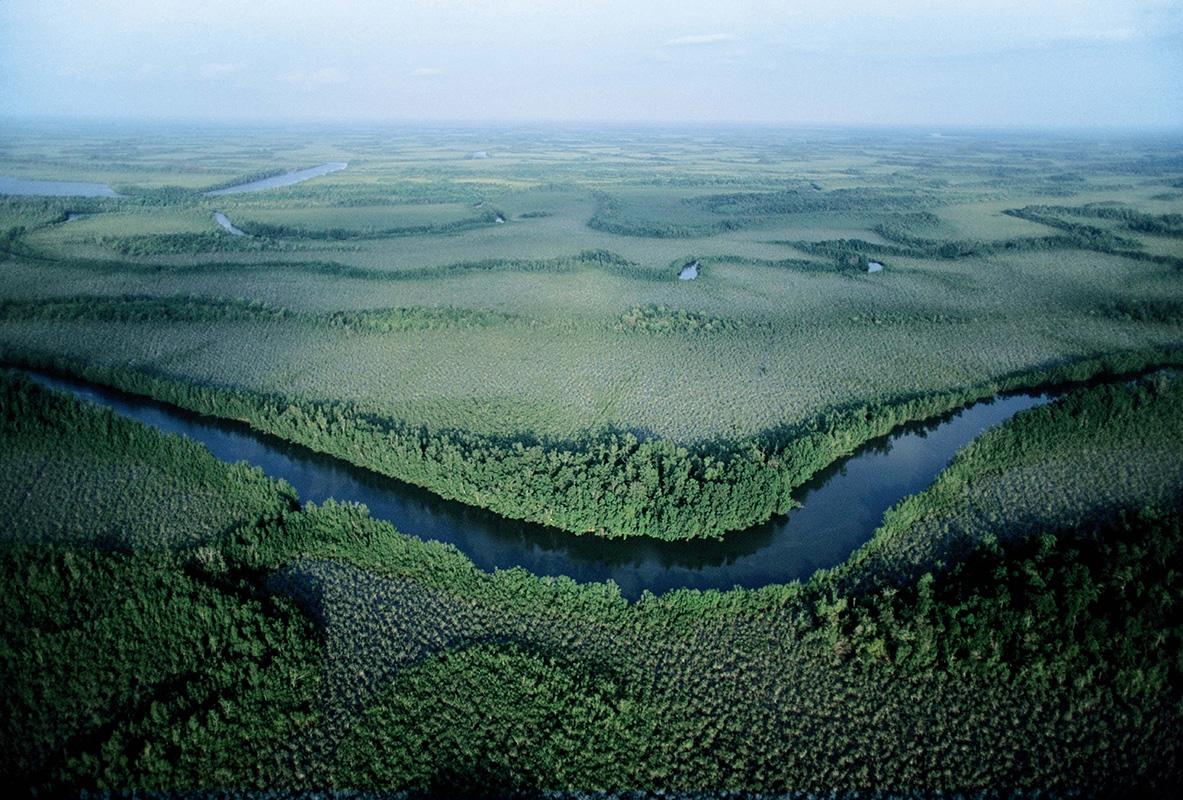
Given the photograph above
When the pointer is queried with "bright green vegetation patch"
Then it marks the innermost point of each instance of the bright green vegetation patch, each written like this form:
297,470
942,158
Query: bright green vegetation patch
1044,652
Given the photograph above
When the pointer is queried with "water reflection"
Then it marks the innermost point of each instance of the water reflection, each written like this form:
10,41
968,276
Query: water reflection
276,181
840,507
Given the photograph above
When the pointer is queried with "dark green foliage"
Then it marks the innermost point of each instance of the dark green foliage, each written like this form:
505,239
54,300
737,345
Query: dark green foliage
604,260
33,213
1049,468
159,195
524,723
1041,660
612,482
416,318
1088,236
488,216
137,308
1132,219
920,247
847,252
1113,594
848,255
661,319
1165,312
140,308
251,177
611,217
125,670
804,201
9,238
718,213
153,244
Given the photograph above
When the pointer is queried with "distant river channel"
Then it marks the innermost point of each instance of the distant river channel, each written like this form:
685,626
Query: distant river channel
840,508
276,181
21,186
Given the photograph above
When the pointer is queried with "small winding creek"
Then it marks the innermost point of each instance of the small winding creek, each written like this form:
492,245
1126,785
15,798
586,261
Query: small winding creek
227,225
840,508
276,181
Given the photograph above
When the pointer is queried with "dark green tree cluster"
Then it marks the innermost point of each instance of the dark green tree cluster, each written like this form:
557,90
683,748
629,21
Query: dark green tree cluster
611,483
416,318
488,216
250,177
662,319
1132,219
132,670
611,216
738,210
141,308
1049,660
905,243
154,244
806,201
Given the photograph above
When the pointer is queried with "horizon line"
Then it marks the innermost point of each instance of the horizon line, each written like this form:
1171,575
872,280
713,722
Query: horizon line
460,122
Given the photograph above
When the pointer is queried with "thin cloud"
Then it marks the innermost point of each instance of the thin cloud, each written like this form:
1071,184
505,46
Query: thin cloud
213,71
314,79
1104,35
699,39
426,72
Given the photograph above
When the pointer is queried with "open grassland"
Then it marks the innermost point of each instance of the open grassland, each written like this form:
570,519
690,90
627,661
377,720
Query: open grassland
320,649
511,281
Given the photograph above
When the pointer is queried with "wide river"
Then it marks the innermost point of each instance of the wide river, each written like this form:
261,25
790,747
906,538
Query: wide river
286,179
840,508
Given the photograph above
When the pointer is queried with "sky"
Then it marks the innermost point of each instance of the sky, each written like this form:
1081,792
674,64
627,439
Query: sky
996,63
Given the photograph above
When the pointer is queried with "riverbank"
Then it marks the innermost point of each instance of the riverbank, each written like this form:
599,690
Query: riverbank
838,509
316,648
576,486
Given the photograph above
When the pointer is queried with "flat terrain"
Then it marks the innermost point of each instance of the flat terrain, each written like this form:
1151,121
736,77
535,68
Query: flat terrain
534,294
797,334
511,331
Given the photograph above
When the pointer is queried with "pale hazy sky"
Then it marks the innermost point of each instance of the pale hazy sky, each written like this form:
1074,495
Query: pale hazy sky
930,62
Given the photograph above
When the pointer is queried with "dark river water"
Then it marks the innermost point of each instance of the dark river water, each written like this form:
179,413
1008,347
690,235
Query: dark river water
840,508
286,179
